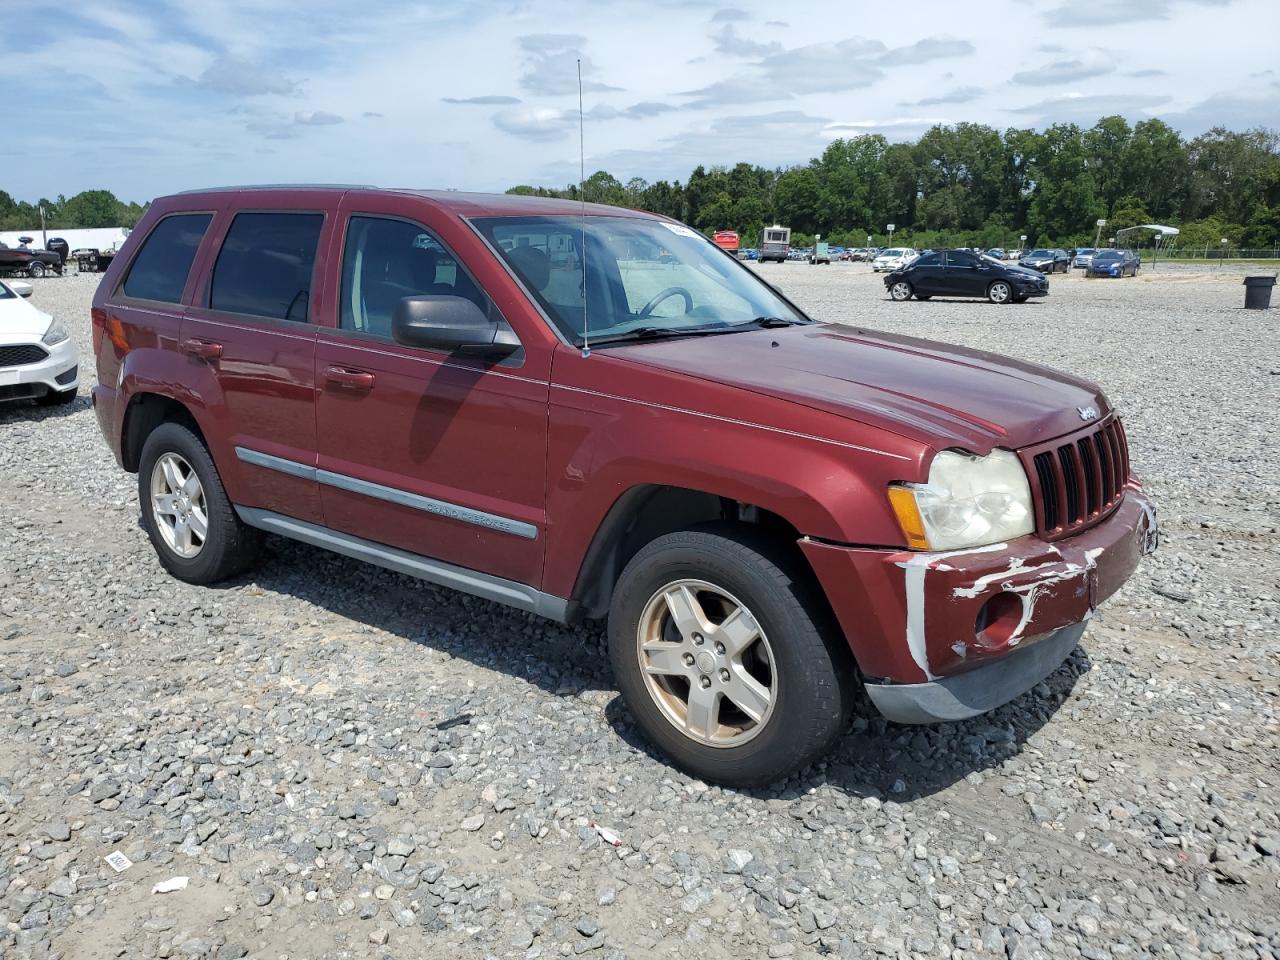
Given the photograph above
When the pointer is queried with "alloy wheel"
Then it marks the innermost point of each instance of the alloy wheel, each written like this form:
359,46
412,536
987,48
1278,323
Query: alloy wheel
706,663
999,292
900,290
178,505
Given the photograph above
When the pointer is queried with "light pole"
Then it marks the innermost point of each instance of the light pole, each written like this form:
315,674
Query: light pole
1224,248
1022,245
1097,237
44,239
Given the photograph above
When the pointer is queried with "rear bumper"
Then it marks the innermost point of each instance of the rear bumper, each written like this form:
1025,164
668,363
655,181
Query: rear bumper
914,619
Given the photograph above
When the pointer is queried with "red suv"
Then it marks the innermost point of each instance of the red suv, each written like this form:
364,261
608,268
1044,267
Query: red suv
588,412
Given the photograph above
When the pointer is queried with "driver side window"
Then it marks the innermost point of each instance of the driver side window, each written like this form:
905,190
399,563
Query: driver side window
961,258
386,260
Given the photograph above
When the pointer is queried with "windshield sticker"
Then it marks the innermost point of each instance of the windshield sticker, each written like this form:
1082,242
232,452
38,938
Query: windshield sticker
681,230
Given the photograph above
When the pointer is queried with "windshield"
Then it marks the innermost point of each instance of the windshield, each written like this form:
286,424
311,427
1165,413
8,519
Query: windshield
1039,253
641,275
1107,255
895,252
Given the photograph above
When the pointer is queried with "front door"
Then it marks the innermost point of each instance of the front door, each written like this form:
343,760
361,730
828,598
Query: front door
965,274
441,455
252,323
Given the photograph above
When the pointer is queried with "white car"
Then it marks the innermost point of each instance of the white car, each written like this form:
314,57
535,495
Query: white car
38,358
895,258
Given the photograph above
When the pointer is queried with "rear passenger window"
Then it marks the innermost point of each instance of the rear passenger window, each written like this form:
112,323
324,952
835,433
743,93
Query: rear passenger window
265,265
387,260
159,271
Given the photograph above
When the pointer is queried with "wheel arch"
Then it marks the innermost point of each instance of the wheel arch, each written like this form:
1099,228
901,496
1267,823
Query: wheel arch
145,412
648,511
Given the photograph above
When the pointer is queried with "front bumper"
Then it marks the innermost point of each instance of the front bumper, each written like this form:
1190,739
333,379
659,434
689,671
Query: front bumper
58,373
922,621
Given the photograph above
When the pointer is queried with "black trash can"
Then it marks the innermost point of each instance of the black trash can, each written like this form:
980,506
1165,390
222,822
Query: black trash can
1257,292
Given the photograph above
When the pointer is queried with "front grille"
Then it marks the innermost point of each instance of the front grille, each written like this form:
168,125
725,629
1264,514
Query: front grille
21,354
1077,480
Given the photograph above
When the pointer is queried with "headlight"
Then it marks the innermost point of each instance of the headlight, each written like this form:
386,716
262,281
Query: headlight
968,502
55,334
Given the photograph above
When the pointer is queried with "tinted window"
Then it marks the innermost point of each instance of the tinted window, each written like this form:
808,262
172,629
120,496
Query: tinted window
159,271
928,260
961,258
387,260
265,265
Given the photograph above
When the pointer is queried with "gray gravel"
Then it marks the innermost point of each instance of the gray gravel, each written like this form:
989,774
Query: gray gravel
349,763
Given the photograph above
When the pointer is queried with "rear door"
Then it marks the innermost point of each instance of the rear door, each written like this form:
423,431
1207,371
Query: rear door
926,275
251,323
439,454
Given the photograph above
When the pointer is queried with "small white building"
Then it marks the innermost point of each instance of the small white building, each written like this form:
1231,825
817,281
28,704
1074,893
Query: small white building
96,238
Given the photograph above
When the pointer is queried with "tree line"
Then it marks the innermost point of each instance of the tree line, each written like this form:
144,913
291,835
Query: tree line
92,208
971,185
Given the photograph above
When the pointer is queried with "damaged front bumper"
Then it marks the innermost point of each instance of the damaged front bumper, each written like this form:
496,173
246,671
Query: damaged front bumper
944,636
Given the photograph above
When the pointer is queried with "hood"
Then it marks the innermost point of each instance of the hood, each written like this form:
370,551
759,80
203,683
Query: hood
1024,271
935,393
19,319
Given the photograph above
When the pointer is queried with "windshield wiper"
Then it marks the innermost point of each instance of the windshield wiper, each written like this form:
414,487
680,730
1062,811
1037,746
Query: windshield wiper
770,322
654,333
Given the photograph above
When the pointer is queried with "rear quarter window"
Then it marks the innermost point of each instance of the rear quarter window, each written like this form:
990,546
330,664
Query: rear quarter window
265,265
159,271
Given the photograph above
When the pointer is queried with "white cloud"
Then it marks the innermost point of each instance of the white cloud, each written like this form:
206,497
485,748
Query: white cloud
1094,63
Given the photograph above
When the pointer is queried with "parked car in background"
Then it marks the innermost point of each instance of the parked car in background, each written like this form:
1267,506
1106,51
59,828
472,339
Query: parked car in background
748,253
996,253
38,359
24,259
1082,257
756,502
1046,260
963,273
895,258
1114,263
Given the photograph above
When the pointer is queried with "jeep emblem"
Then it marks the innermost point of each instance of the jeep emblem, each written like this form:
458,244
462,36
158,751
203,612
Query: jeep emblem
1087,413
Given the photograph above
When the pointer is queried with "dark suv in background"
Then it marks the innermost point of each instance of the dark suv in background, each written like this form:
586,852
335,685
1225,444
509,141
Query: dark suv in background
769,511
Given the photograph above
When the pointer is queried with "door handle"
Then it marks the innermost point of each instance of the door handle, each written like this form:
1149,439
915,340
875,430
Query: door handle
201,349
349,379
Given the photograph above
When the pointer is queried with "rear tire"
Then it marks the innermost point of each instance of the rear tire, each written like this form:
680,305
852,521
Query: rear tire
780,655
228,546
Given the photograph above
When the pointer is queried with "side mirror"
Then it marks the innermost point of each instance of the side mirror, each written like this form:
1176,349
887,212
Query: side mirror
449,324
21,288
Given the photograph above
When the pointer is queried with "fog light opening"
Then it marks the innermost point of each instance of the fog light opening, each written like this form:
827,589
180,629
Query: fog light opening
997,621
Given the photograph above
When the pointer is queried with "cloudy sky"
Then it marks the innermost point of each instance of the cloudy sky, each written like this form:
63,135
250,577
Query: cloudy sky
144,97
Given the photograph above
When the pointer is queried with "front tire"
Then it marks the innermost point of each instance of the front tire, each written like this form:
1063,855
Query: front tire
36,269
999,292
193,527
900,291
724,656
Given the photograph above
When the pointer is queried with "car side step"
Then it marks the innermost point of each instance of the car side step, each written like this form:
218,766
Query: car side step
509,592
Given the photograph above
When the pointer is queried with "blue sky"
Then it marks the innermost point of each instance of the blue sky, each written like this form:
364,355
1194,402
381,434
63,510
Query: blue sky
152,96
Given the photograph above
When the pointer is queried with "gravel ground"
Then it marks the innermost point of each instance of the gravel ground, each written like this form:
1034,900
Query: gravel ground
348,763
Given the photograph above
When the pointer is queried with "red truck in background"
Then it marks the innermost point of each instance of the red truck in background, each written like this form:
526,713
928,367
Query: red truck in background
727,240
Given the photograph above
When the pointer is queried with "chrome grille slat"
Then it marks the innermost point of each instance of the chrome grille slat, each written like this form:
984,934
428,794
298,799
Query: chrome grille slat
1077,480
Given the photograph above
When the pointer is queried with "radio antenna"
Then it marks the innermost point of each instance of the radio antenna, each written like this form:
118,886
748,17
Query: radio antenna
582,196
